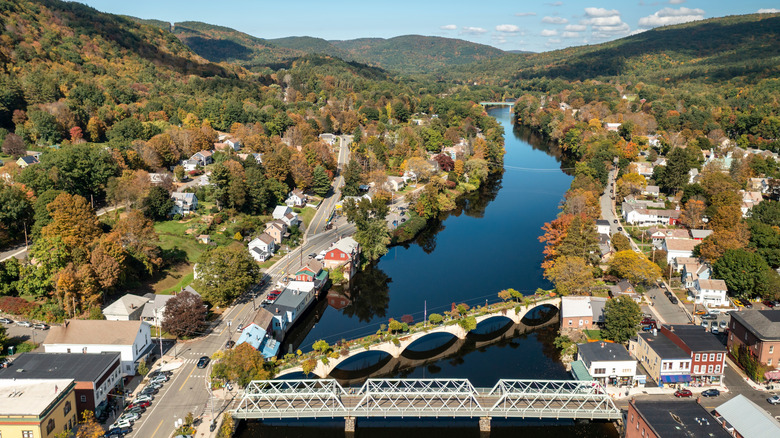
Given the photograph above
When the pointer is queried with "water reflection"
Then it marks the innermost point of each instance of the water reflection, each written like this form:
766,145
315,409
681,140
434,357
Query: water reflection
369,294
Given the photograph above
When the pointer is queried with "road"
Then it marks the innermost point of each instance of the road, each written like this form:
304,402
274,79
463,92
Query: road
320,219
607,206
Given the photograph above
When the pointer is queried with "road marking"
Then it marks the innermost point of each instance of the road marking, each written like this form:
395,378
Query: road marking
185,380
158,428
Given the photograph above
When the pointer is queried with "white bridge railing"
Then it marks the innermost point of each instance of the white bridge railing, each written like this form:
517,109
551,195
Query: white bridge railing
325,398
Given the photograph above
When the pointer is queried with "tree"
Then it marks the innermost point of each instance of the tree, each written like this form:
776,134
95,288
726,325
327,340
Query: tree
581,240
16,211
184,315
13,145
692,215
137,236
621,317
320,346
242,365
621,242
571,275
468,323
435,318
88,427
630,184
352,179
224,273
767,212
369,219
73,220
320,181
634,267
157,205
745,273
178,173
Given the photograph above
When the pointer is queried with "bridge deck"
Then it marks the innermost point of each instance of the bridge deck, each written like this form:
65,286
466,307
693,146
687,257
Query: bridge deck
427,398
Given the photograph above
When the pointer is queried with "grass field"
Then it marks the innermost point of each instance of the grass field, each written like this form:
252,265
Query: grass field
306,215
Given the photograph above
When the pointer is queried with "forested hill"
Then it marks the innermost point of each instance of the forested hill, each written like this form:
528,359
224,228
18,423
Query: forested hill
717,49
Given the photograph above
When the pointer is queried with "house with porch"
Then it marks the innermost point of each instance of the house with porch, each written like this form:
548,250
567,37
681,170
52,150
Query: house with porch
291,220
262,248
636,215
276,229
675,247
184,203
710,292
693,271
204,158
582,312
296,198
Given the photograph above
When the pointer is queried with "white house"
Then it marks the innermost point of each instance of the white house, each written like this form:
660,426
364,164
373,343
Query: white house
602,226
759,185
692,271
749,200
607,362
612,126
635,215
233,143
291,220
131,339
296,198
653,191
184,203
710,292
291,303
679,248
281,211
395,183
127,308
642,168
189,165
203,158
262,248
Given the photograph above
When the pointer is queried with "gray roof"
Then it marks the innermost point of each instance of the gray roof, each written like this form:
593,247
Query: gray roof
679,418
700,234
664,347
749,419
697,338
602,222
83,367
764,324
155,302
126,305
597,304
289,299
602,352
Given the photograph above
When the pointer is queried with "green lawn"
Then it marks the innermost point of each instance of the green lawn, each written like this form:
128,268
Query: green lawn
306,215
593,334
184,282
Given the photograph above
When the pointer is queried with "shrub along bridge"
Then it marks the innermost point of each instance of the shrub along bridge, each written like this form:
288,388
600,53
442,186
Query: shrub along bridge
426,398
396,347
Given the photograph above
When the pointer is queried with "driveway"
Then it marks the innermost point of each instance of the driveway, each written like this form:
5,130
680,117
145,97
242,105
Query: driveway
670,313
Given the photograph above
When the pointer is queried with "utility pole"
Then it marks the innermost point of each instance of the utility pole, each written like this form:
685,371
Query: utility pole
26,242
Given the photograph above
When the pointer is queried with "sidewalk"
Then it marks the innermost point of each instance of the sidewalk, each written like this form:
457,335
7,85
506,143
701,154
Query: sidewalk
618,393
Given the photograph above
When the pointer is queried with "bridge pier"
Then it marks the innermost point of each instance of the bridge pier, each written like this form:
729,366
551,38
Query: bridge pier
349,424
484,424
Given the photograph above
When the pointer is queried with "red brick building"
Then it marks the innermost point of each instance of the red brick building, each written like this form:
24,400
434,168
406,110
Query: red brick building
759,331
708,355
671,418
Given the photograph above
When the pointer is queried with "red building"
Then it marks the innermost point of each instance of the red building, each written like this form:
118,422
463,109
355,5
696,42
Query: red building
671,418
708,355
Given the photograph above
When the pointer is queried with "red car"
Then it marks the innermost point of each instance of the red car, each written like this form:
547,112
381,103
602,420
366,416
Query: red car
683,393
646,321
142,404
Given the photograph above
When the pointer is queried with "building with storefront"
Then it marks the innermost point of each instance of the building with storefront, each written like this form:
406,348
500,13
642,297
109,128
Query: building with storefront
665,362
759,332
708,354
608,363
37,408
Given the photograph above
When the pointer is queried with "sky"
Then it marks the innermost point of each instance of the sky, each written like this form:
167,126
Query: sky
535,26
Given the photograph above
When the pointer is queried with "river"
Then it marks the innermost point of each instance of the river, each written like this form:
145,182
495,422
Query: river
488,244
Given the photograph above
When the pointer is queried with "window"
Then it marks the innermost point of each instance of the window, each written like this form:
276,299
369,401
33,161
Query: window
746,336
720,357
580,323
695,369
50,425
84,350
717,369
569,322
632,418
731,336
27,434
68,352
769,361
771,349
600,371
83,398
66,409
696,358
712,357
709,369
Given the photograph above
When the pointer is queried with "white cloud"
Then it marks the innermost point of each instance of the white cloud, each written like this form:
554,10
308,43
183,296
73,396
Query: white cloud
571,34
555,4
576,27
768,11
667,16
549,32
507,28
676,2
601,12
554,20
525,14
448,27
471,30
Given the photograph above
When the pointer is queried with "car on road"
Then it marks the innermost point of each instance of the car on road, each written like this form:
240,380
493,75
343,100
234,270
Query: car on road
620,228
230,344
149,390
144,398
142,404
121,424
41,326
312,255
710,393
6,321
672,298
129,416
714,328
203,362
24,323
775,399
5,362
683,393
709,316
647,320
159,379
321,255
614,221
240,327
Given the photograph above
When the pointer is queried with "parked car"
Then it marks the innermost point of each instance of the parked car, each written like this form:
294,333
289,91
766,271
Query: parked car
723,324
700,312
714,329
41,326
136,410
230,344
132,416
149,391
683,393
709,316
710,393
162,378
647,328
6,321
673,299
142,404
24,323
775,399
118,431
203,362
647,320
5,362
614,221
240,327
144,398
121,424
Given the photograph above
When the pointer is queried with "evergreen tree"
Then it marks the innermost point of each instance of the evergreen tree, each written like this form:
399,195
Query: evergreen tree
352,179
321,183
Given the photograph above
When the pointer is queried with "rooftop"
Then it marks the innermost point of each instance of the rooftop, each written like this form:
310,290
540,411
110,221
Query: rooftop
697,338
572,307
602,222
87,367
292,296
664,347
30,397
712,284
155,302
126,305
681,244
346,245
749,419
94,332
765,324
602,352
679,418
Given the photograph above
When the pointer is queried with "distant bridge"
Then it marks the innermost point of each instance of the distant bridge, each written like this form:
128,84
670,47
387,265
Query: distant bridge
497,103
426,398
515,315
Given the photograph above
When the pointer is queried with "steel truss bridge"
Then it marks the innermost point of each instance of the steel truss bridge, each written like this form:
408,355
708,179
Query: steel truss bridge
426,398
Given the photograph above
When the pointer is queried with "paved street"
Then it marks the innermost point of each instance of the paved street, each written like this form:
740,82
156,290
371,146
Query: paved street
670,313
607,210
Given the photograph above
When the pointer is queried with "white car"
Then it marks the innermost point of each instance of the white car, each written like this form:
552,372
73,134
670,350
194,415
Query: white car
144,397
129,416
321,255
121,424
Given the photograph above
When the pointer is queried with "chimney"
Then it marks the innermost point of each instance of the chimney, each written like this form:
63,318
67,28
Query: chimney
602,345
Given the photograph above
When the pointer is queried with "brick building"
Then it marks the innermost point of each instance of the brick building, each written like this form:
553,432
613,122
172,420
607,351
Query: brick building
759,331
708,355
